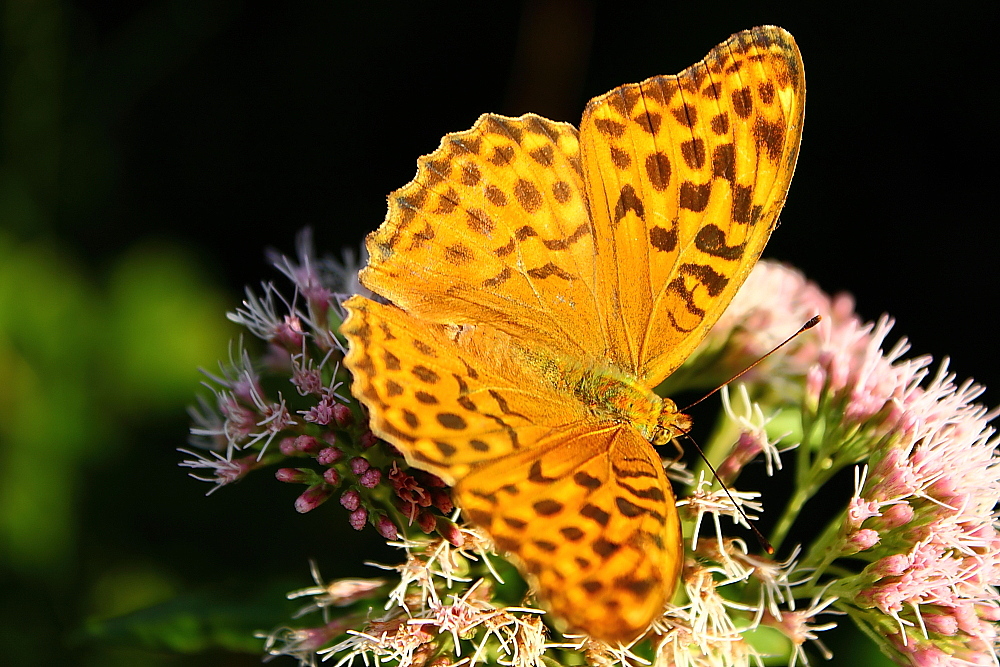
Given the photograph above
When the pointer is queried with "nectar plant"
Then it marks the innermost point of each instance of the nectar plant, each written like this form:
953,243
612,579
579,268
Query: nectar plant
912,557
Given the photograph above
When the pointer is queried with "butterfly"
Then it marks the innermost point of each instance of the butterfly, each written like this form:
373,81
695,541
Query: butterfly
540,281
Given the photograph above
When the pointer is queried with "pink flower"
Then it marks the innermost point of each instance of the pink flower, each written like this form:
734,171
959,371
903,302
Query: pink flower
307,275
329,455
323,412
226,470
773,303
358,518
351,500
370,478
924,512
307,380
313,497
409,491
940,471
861,540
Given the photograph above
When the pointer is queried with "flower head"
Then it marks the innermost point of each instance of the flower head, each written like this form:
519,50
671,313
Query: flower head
913,556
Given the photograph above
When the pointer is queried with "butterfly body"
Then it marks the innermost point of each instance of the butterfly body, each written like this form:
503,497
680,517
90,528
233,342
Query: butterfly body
542,281
610,394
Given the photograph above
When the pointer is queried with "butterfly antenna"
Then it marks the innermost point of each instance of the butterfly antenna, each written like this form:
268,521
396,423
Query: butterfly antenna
760,537
765,545
805,327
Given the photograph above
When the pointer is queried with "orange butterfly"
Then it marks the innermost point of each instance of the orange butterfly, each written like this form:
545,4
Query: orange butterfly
542,281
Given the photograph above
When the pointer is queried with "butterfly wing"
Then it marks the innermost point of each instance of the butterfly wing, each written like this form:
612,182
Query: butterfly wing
494,230
686,175
448,397
589,514
584,505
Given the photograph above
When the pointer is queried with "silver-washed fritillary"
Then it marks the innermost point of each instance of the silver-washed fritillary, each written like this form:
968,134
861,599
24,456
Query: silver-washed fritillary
542,281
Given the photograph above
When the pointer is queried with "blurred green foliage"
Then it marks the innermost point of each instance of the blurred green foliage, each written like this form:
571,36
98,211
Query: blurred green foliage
89,359
79,362
82,364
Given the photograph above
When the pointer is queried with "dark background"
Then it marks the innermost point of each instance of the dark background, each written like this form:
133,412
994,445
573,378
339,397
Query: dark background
231,126
220,128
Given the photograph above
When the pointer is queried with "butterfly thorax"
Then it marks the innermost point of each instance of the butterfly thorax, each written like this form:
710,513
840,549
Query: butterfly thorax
610,394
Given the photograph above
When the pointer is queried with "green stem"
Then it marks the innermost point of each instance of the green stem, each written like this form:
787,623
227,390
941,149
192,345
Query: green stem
803,489
724,434
788,516
821,553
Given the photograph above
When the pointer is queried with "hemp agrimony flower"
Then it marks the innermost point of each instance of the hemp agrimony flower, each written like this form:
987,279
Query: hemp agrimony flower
912,557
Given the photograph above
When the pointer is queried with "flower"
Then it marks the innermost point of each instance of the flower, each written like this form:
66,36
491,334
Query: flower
942,555
913,557
753,439
226,470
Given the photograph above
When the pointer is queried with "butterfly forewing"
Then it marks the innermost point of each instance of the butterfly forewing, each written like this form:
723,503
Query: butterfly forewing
686,175
448,398
494,230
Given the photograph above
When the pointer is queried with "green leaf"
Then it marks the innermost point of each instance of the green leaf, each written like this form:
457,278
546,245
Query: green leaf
196,623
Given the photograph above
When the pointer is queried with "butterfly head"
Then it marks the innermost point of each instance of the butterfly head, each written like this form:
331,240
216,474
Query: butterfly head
672,423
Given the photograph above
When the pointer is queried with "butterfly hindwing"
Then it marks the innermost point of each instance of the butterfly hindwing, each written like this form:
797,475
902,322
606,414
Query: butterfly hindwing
590,514
447,397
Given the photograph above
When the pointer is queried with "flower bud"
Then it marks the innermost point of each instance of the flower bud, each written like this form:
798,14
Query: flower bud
368,440
449,531
308,444
429,480
359,465
815,382
331,476
409,510
441,499
329,455
351,500
313,639
358,518
860,540
745,450
370,478
313,497
342,415
895,516
941,623
890,566
293,475
287,446
386,528
427,522
288,334
988,611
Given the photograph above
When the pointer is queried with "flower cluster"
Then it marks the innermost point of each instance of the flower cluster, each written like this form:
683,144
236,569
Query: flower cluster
312,429
927,475
444,594
913,558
